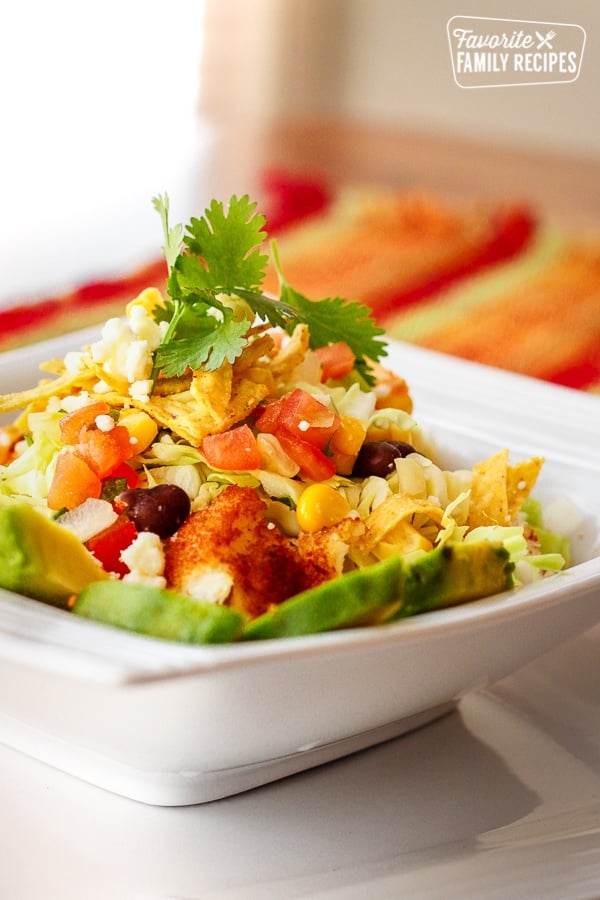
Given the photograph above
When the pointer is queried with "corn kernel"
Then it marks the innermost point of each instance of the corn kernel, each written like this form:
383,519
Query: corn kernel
349,436
320,506
149,299
343,462
389,432
142,428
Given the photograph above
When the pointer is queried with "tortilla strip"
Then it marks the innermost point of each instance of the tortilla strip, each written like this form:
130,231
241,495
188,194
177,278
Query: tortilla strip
46,389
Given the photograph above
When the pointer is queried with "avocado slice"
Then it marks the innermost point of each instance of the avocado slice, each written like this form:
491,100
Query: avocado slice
390,590
360,597
158,613
454,573
40,558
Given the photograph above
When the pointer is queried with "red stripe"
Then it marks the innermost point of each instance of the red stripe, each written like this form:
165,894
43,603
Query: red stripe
26,316
581,375
94,292
513,231
290,200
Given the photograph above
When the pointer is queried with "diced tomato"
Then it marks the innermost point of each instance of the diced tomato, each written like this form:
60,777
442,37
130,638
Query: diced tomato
312,461
268,420
308,418
235,449
337,360
75,423
302,415
108,545
104,451
73,482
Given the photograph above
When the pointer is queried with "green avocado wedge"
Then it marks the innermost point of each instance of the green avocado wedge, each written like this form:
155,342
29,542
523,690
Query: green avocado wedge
158,613
361,597
390,590
41,559
454,573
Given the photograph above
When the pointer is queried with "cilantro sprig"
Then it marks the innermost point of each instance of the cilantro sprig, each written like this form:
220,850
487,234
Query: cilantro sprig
215,275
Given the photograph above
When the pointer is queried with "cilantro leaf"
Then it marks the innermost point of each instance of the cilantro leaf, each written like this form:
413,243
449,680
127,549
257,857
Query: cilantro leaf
225,246
220,255
173,236
207,342
267,308
333,319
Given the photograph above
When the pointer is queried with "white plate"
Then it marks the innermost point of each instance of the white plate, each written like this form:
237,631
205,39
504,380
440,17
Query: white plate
176,725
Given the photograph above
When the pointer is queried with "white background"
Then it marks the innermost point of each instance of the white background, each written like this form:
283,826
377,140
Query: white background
99,106
98,110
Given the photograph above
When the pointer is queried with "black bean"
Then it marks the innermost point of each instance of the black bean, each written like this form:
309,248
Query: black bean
402,447
377,458
161,509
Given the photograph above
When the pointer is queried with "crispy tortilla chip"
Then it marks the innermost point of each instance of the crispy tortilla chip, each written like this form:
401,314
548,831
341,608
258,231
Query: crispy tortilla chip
291,354
214,402
212,393
173,412
173,385
387,523
245,397
258,348
405,538
498,490
489,499
56,387
521,481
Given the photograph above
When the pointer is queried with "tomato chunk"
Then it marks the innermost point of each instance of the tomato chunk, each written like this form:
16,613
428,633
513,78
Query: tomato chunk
235,449
75,423
314,464
73,482
268,420
308,418
302,415
337,360
104,451
108,545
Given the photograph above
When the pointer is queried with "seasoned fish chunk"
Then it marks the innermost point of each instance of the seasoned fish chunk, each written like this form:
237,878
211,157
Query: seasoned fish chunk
229,553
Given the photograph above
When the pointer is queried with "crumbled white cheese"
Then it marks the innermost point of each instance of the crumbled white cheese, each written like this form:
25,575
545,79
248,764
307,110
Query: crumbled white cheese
105,423
138,361
74,361
125,350
140,390
210,585
75,401
145,559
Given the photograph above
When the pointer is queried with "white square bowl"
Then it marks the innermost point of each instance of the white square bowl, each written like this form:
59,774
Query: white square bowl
169,724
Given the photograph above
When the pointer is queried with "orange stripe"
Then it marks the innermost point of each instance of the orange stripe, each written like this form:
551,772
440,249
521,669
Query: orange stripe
546,326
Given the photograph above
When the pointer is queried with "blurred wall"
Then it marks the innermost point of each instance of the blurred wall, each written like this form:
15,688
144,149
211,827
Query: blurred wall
388,62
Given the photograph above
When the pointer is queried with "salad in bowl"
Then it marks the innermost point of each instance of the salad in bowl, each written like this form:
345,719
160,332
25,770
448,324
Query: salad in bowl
223,465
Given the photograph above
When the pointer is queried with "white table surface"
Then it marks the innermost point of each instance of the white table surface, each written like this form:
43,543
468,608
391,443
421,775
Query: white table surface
501,798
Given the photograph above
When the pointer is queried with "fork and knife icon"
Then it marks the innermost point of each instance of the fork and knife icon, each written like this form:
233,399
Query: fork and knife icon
545,41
